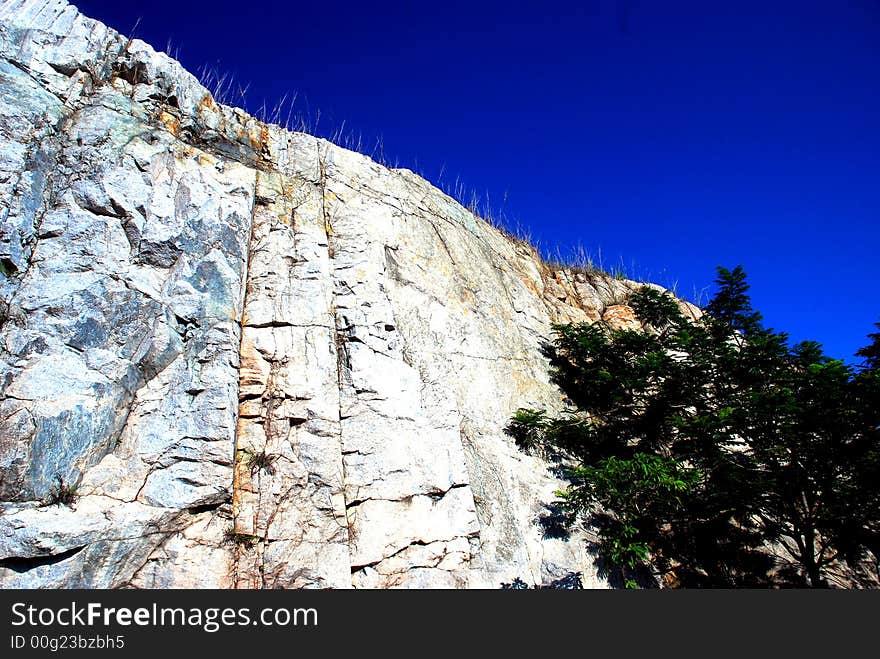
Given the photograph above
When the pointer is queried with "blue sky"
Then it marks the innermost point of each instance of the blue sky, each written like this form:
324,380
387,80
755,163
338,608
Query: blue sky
668,136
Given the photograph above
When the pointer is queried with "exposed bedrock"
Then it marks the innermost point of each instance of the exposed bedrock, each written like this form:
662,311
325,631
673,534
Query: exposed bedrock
257,359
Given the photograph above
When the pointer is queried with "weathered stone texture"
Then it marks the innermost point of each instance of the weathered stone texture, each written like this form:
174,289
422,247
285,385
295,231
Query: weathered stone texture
262,360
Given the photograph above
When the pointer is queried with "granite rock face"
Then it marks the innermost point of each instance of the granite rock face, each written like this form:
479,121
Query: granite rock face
260,359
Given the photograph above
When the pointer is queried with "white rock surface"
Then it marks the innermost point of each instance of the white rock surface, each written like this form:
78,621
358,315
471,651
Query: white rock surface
261,359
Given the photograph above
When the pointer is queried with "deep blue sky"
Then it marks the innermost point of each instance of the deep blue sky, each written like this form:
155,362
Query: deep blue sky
674,136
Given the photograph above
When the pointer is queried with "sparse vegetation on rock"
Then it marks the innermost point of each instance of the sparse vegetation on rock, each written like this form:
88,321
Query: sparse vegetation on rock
62,494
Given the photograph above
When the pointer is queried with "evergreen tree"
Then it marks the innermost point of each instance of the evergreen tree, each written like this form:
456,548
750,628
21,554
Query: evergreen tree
871,352
700,443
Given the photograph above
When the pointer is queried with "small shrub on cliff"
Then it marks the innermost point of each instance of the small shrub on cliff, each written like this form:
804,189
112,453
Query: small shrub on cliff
246,540
62,494
262,461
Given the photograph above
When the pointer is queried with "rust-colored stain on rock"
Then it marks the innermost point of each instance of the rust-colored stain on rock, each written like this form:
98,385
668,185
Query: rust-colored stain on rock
171,123
621,316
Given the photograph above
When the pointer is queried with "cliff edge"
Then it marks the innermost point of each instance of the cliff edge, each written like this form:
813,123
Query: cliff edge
260,359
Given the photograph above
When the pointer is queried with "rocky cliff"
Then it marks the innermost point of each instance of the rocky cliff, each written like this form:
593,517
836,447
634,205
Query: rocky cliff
260,359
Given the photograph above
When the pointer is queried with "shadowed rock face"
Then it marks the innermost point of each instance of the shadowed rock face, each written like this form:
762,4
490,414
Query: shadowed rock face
261,360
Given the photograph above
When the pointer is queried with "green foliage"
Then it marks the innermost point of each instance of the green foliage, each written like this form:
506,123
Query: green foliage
731,307
527,429
646,492
701,441
656,309
634,487
62,494
871,352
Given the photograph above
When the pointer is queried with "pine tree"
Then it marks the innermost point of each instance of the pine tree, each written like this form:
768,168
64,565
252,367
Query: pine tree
871,352
701,442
